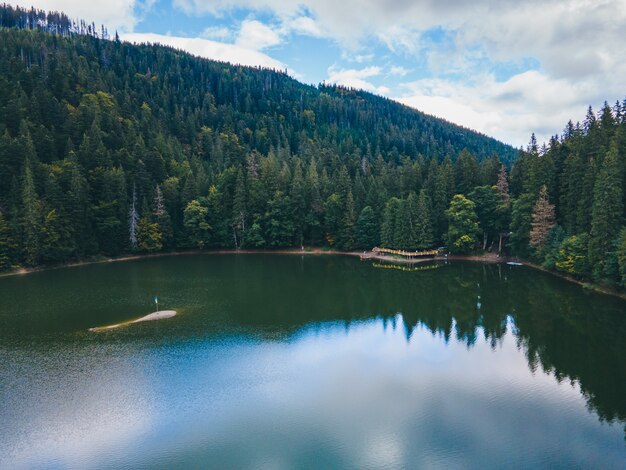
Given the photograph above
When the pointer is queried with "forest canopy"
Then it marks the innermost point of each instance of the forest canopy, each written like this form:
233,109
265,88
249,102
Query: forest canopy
108,148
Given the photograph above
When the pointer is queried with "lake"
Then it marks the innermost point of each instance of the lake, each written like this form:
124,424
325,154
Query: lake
286,361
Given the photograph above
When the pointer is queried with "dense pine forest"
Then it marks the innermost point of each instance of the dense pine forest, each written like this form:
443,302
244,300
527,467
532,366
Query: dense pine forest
108,148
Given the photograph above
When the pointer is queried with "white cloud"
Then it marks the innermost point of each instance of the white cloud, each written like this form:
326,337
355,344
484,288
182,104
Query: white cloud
398,70
355,78
256,36
220,33
511,110
232,53
578,47
121,15
305,26
351,56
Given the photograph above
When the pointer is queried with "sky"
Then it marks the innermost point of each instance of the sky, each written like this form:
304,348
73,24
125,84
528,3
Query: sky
506,68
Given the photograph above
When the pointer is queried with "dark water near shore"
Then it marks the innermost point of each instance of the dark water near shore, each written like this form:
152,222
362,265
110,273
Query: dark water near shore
309,362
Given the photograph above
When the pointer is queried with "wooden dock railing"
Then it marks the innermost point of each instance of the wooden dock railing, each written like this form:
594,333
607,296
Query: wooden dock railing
410,254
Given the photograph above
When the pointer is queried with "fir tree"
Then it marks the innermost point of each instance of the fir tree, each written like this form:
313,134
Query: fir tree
503,186
423,228
239,211
133,221
388,226
621,256
6,244
367,230
607,213
347,239
31,218
543,219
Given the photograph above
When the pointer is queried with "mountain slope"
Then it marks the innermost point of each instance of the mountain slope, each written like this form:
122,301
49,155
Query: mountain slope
92,130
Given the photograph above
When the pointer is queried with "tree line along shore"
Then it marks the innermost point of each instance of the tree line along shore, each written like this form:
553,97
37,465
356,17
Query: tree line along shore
109,149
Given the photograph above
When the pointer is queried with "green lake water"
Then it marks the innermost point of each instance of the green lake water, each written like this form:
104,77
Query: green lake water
285,361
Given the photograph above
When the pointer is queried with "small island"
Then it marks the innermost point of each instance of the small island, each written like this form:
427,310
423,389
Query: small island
160,315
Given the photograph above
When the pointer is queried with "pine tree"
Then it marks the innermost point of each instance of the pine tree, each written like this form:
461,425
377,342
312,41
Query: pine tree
503,186
571,177
607,212
466,172
347,239
133,220
31,218
621,256
367,230
388,227
298,202
239,211
584,196
162,218
6,244
487,200
422,222
543,219
159,206
402,227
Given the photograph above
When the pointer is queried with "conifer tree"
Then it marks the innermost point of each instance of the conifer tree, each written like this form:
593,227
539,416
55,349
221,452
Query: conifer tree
133,221
543,219
607,212
503,186
388,227
584,196
423,228
298,202
6,244
402,226
487,200
239,211
348,226
367,230
31,218
162,218
621,256
571,177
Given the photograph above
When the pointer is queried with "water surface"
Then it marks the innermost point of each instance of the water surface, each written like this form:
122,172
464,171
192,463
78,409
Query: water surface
309,362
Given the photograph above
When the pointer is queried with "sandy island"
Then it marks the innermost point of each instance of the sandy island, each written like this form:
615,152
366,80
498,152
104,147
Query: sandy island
160,315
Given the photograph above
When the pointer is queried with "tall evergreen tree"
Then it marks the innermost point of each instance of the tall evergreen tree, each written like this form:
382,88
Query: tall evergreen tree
347,240
503,186
239,211
423,227
367,229
543,219
607,213
133,220
31,218
6,244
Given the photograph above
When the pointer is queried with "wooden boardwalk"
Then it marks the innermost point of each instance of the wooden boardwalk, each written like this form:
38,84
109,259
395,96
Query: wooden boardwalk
408,254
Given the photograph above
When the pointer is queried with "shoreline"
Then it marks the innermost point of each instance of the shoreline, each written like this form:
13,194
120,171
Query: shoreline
488,258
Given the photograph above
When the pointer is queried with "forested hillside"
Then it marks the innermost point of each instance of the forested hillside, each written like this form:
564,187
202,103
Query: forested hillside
109,148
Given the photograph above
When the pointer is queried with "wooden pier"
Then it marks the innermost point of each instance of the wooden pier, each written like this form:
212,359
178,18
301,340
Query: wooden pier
405,253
